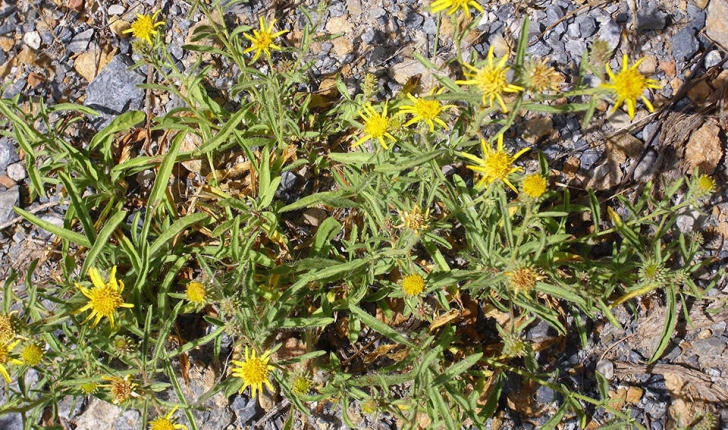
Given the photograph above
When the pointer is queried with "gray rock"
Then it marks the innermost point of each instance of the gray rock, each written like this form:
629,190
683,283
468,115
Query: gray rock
80,41
114,91
430,26
558,50
545,394
575,48
414,20
573,31
8,199
698,17
245,409
589,158
553,14
16,172
610,32
15,87
649,17
11,422
587,25
8,154
684,44
377,12
539,49
712,58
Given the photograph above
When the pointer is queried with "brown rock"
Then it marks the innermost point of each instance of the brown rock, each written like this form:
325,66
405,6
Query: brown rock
703,151
648,66
6,43
76,5
7,182
34,79
700,92
339,24
342,46
716,24
668,67
536,128
86,64
634,394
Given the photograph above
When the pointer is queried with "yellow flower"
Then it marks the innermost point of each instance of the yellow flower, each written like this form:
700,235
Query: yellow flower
8,324
453,5
166,422
121,389
376,126
414,220
629,85
262,41
540,77
145,27
89,387
706,186
5,358
496,164
413,285
425,110
523,279
491,80
534,186
301,385
32,354
104,298
196,292
253,371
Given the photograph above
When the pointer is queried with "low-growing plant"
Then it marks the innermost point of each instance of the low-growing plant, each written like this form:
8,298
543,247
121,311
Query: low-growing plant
432,242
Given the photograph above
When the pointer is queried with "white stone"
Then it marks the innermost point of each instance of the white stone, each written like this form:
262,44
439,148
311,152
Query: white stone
16,172
32,39
116,9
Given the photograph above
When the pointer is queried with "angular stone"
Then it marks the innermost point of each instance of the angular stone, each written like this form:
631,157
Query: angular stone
8,199
716,25
115,91
684,44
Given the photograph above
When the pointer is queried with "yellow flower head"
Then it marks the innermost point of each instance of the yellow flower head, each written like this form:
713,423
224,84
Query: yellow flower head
491,80
145,27
496,165
104,298
262,40
196,292
523,279
630,85
89,387
534,186
121,389
166,422
5,358
8,324
453,5
301,385
425,110
413,285
376,126
540,77
32,354
705,186
253,371
415,219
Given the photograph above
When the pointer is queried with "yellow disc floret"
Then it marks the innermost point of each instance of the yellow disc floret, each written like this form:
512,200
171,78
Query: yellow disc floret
629,85
196,292
32,354
262,40
104,298
145,27
253,371
534,186
491,80
496,164
166,422
413,285
376,126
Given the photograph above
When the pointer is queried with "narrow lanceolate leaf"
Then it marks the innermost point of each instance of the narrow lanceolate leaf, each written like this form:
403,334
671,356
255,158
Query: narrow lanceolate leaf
165,170
102,240
379,326
458,368
61,232
670,323
176,228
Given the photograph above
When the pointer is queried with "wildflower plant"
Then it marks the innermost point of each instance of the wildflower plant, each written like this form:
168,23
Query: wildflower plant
629,85
343,263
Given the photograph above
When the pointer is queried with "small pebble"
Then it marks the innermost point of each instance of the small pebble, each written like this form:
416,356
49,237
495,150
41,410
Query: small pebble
32,39
116,9
606,368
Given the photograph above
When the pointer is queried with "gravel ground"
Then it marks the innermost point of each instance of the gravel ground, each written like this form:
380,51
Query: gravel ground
53,50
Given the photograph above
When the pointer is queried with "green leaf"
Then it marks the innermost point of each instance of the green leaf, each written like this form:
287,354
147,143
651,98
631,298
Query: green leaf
102,240
379,326
329,228
176,228
458,368
353,158
123,122
61,232
161,182
670,323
